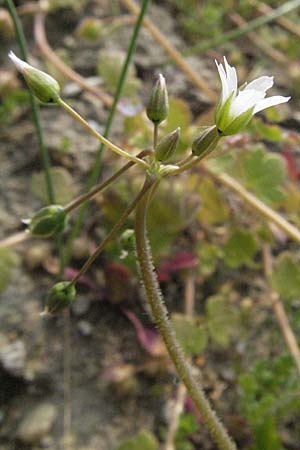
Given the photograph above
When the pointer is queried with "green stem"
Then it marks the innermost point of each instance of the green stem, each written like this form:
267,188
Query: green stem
97,165
115,229
160,314
240,31
34,105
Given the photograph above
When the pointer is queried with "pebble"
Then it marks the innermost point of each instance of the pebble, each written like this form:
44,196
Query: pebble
85,328
37,423
13,356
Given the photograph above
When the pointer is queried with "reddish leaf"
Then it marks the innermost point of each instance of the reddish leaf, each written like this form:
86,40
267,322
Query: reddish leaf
180,261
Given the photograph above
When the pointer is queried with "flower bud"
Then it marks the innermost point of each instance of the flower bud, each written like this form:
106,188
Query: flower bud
47,222
42,85
205,141
158,104
167,146
59,297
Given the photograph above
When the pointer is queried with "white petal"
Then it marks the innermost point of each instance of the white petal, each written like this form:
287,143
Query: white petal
224,82
19,63
231,77
261,84
271,101
245,100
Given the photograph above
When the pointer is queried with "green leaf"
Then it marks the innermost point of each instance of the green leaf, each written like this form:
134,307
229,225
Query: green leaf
266,435
144,440
208,258
286,276
221,163
240,248
8,260
265,131
213,208
109,68
64,186
190,333
222,319
265,174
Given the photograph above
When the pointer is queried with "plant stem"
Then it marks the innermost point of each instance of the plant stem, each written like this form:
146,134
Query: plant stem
101,186
95,172
240,31
160,314
99,136
34,105
113,231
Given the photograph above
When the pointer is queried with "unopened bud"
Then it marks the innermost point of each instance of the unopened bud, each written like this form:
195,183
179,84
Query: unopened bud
205,141
47,222
59,297
158,104
42,85
167,146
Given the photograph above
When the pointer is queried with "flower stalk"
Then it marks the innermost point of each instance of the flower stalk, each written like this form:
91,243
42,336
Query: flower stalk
160,314
115,229
99,136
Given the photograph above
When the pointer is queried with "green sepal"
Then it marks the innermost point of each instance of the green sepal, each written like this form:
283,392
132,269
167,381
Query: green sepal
59,297
205,141
42,85
48,221
222,112
238,123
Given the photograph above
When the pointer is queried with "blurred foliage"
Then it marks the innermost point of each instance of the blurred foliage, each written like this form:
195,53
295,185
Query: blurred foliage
64,187
143,440
109,67
8,260
188,424
269,397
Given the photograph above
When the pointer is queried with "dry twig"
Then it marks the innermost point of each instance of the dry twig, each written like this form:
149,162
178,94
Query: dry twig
280,313
265,9
48,53
260,43
174,54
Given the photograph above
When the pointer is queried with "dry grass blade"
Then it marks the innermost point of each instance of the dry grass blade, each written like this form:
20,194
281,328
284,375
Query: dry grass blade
261,44
258,205
15,239
263,8
280,313
172,52
48,53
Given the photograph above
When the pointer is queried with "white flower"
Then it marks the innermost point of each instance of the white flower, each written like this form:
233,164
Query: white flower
42,85
237,106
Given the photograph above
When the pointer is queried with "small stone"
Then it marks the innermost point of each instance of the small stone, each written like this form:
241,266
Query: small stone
37,423
12,357
85,328
80,306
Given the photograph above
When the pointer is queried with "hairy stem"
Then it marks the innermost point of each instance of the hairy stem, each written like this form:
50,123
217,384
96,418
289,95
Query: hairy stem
163,324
